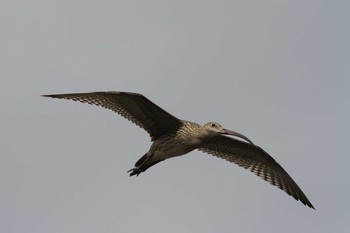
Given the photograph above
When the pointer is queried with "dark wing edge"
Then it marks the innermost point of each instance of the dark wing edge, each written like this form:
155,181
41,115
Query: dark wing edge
132,106
257,161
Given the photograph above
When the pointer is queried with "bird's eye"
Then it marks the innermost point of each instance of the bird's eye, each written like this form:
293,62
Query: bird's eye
213,125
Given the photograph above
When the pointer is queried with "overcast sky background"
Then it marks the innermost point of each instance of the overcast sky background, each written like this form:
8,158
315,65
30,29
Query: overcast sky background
276,71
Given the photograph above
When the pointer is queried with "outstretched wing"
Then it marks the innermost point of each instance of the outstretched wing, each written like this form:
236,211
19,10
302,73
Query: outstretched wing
256,160
132,106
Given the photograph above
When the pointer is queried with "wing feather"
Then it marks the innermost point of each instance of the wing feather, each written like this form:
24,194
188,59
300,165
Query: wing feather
132,106
257,161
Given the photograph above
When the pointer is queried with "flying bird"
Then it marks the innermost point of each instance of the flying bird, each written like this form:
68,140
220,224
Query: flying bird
173,137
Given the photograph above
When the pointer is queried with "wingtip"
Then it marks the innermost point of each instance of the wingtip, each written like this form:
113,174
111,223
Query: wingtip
48,96
307,203
311,206
53,96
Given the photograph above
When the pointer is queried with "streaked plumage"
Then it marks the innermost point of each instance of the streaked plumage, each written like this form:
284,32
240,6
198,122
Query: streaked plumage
174,137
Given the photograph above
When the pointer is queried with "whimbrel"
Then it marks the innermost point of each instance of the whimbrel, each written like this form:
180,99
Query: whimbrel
174,137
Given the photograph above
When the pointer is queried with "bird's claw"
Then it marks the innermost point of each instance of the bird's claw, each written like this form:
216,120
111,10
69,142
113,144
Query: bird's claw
135,171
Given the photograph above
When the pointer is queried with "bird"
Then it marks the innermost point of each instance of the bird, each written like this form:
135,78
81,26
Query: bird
174,137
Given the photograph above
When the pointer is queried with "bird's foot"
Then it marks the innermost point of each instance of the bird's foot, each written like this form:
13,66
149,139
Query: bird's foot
135,171
143,167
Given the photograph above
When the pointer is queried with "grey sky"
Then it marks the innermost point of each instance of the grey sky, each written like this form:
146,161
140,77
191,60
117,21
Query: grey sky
276,71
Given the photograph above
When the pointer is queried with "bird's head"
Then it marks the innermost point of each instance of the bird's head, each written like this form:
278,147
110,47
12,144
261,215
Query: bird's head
214,128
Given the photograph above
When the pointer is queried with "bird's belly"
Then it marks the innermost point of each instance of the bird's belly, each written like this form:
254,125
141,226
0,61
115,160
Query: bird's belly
164,151
160,154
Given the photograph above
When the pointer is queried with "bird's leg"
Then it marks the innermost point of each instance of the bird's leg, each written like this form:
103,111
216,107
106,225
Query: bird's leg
142,160
141,167
137,169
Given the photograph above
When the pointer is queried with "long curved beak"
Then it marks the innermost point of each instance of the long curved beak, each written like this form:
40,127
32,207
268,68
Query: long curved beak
236,134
